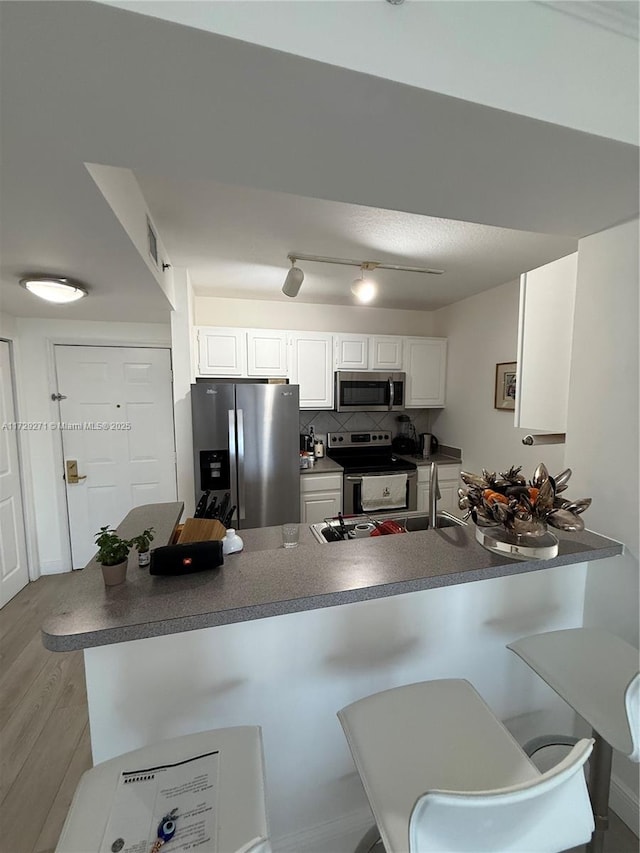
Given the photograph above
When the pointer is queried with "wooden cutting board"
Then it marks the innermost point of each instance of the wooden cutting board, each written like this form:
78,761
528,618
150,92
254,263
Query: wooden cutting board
201,530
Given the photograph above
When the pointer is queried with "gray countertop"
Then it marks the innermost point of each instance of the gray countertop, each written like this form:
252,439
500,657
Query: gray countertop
323,466
267,580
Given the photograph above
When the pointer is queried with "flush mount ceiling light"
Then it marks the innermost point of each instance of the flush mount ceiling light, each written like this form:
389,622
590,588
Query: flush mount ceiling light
294,279
54,289
362,288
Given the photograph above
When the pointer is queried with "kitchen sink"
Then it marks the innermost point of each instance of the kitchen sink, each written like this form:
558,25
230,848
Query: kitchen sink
330,530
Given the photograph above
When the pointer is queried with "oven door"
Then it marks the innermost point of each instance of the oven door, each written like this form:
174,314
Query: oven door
369,392
353,490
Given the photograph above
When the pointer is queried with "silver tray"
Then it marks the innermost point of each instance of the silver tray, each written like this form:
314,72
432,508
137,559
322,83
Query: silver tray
501,541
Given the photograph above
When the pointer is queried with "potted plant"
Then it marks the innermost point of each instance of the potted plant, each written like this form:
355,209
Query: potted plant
142,542
113,554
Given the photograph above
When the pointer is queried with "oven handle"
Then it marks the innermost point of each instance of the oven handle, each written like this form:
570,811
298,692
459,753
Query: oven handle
350,479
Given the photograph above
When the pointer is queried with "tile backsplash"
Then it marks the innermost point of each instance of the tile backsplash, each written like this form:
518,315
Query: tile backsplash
324,422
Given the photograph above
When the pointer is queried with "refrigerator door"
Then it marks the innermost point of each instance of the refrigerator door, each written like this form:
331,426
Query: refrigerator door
214,440
267,419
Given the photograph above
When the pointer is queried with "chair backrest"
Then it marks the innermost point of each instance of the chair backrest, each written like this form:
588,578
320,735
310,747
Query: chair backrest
632,705
549,814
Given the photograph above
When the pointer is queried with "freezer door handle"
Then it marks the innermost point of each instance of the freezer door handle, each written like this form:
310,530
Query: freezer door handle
233,468
241,491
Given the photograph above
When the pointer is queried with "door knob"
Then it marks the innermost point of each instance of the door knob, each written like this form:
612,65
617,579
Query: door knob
72,472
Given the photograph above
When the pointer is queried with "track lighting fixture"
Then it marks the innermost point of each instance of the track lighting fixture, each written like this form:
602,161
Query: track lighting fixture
363,289
294,279
54,289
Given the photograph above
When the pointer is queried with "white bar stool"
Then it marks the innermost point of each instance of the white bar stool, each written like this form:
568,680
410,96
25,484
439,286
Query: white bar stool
598,675
242,820
443,775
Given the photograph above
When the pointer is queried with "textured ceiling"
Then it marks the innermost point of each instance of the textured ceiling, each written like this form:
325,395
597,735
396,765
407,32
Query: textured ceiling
235,242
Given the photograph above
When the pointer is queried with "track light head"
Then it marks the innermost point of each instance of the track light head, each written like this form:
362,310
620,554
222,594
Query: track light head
293,281
364,289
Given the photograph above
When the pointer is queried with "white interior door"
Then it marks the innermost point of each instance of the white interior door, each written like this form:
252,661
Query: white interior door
14,573
117,424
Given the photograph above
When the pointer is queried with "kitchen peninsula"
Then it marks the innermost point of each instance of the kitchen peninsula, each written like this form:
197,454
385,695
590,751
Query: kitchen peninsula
284,638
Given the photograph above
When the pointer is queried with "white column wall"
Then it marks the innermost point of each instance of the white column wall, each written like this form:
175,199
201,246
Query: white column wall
603,440
182,345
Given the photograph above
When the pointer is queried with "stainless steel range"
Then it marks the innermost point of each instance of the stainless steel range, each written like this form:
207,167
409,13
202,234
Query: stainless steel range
369,454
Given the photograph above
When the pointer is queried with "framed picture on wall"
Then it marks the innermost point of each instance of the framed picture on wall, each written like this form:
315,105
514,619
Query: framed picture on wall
505,393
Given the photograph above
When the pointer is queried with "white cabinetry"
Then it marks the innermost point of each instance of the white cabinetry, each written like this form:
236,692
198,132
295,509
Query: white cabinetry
266,353
449,481
545,328
425,363
386,352
320,497
222,352
352,352
311,367
368,352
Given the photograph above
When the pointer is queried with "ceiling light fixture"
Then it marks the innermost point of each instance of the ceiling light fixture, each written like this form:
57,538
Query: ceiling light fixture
54,289
364,289
294,279
364,294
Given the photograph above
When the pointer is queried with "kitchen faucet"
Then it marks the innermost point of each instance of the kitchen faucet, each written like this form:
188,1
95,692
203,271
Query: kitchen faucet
434,496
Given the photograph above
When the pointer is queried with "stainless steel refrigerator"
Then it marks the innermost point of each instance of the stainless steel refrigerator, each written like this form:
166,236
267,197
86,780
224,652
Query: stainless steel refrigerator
246,442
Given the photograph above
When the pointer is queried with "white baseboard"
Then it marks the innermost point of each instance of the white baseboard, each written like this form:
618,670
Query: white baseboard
334,836
624,802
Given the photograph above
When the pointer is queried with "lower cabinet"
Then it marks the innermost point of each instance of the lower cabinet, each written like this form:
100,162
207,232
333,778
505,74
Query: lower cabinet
320,497
449,480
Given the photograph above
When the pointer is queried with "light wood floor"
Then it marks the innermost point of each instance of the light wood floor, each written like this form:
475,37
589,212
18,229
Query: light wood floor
44,728
44,725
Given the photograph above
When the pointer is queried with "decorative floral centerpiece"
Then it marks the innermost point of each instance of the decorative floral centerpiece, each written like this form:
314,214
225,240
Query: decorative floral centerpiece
522,509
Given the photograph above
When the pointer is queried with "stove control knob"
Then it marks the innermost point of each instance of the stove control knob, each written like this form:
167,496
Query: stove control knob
341,438
374,437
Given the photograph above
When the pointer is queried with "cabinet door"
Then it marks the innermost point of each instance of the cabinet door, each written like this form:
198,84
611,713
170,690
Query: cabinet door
352,352
425,363
423,497
222,352
547,297
317,506
386,352
266,353
311,368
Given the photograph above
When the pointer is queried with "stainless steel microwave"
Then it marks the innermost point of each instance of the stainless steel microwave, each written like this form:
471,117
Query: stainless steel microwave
369,392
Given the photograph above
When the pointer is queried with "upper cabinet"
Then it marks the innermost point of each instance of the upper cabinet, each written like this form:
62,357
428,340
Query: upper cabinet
368,352
311,367
386,352
266,353
425,363
222,352
352,352
545,329
309,360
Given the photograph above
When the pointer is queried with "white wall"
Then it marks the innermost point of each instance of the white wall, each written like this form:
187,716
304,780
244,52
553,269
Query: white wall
182,345
483,332
602,438
523,57
35,379
255,313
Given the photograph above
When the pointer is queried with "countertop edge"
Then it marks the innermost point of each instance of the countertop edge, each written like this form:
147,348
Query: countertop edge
181,624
